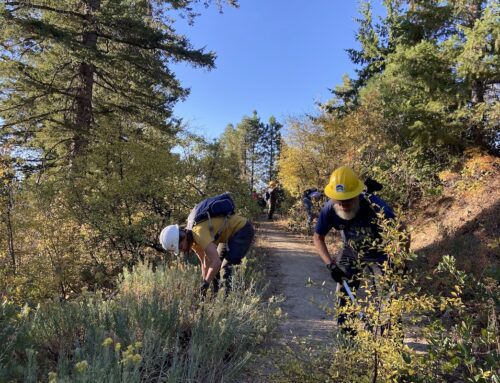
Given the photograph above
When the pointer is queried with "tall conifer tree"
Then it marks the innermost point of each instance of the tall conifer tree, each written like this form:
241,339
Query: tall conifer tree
269,147
68,65
443,55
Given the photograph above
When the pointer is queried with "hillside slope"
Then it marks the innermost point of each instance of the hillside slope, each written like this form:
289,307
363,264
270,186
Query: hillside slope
464,221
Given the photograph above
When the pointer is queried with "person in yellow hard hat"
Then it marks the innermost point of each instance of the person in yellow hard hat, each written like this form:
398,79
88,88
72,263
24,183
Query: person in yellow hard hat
354,214
271,199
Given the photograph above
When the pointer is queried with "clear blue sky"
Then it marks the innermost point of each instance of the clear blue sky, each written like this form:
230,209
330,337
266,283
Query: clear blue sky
278,57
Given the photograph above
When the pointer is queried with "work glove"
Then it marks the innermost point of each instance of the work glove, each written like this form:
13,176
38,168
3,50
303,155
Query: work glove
338,275
203,289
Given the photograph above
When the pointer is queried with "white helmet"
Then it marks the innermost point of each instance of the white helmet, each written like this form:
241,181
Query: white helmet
169,238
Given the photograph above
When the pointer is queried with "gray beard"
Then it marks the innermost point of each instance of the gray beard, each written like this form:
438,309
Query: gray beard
347,216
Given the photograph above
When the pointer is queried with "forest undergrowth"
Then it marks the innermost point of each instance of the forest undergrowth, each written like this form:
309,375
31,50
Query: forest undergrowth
454,312
156,328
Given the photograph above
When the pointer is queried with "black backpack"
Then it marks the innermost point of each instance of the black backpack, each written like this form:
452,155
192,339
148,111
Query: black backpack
221,205
372,185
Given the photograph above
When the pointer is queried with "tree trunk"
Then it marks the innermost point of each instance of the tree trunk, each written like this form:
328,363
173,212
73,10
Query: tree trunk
245,165
477,92
475,12
83,110
476,128
271,162
10,231
252,170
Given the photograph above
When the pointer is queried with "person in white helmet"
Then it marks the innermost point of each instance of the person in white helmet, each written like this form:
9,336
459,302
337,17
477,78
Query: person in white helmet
220,243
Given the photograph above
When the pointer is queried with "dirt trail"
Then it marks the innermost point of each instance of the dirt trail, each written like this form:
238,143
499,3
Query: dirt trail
292,262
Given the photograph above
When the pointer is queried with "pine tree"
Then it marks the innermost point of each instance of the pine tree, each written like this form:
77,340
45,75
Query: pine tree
269,148
243,142
7,186
67,65
377,41
436,66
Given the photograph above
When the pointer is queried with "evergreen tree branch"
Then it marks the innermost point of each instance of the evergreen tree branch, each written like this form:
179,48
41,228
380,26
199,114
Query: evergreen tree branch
36,117
180,52
26,101
30,5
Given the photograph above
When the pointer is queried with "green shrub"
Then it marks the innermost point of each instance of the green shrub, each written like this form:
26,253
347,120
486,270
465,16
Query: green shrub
12,337
459,327
155,329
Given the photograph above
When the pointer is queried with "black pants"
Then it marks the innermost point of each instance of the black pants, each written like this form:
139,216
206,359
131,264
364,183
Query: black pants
271,209
347,261
232,253
371,271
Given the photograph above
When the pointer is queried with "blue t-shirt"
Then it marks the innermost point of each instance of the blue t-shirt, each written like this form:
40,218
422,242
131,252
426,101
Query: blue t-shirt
360,232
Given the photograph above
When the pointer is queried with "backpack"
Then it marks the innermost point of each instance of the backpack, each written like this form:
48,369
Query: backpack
372,185
221,205
308,192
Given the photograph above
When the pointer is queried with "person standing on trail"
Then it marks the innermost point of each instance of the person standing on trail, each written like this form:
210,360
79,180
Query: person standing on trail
271,199
354,214
309,196
219,238
258,199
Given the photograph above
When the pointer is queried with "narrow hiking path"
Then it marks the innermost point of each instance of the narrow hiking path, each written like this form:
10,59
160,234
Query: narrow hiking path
290,265
291,262
297,273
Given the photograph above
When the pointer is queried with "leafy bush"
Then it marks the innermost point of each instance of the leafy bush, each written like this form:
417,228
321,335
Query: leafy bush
12,334
155,329
459,328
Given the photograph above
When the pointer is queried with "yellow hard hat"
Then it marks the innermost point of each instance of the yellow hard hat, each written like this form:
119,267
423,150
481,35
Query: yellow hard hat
272,184
344,184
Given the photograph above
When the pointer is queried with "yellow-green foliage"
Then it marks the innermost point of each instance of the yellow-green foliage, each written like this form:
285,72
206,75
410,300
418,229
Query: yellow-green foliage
363,140
79,229
311,150
458,328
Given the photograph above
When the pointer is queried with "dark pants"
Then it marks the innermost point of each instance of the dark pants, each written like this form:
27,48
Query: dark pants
308,206
347,261
271,209
232,253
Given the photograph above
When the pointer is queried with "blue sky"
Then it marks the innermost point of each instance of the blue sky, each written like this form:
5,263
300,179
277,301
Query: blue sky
278,57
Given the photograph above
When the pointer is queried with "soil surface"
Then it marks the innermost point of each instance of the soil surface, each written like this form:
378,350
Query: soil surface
299,278
298,274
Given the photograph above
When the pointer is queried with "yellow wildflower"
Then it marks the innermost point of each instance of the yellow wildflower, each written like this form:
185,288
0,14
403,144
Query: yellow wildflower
82,366
107,342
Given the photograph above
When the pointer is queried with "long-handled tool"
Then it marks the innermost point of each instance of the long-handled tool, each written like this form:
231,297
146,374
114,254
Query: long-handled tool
361,313
351,296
